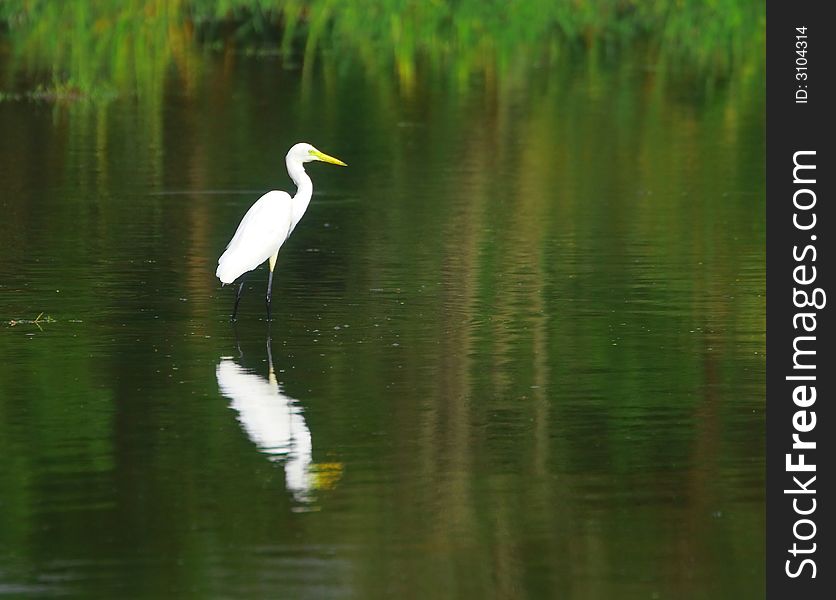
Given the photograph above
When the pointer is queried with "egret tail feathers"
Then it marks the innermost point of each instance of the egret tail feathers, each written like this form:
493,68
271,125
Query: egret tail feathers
226,273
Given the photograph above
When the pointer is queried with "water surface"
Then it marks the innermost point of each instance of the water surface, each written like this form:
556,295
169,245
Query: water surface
518,348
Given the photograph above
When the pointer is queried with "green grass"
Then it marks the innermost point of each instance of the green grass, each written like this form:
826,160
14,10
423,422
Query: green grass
130,45
36,321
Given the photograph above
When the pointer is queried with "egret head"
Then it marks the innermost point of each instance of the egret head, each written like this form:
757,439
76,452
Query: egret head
304,153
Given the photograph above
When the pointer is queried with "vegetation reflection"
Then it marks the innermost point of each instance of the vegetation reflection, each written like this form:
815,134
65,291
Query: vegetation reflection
538,351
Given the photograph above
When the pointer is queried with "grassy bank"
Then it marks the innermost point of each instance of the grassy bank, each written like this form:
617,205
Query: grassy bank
131,44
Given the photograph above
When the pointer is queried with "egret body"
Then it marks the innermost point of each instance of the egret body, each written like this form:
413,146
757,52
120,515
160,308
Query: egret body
269,222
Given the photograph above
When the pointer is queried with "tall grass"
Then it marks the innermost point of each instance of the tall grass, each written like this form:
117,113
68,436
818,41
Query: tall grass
130,44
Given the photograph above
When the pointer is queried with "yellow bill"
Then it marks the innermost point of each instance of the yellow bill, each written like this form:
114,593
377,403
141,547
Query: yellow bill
325,158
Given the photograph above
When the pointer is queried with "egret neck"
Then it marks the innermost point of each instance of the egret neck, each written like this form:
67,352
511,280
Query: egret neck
304,189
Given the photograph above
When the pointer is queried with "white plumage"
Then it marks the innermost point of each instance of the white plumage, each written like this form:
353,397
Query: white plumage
272,420
260,235
269,223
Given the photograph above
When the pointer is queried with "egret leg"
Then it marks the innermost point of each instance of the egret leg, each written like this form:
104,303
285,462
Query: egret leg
237,300
272,265
237,340
269,292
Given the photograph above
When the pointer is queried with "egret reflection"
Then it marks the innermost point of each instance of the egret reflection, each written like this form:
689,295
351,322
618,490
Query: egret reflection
275,423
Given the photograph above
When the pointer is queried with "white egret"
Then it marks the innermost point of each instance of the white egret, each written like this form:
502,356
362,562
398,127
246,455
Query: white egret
275,423
269,222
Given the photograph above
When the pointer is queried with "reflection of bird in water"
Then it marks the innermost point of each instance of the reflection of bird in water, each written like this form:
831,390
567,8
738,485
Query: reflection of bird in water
275,423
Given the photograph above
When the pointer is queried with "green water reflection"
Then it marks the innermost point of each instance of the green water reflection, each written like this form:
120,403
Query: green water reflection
524,330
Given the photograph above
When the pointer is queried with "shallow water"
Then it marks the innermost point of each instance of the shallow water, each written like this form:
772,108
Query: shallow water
518,347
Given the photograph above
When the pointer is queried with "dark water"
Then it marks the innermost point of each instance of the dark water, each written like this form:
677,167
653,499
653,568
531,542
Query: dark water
518,348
